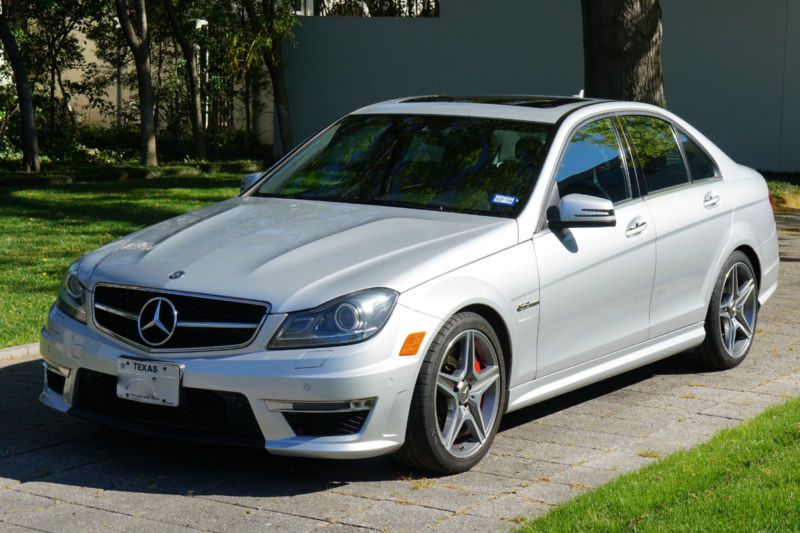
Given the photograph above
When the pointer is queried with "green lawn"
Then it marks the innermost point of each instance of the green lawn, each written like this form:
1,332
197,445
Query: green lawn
745,479
44,228
785,189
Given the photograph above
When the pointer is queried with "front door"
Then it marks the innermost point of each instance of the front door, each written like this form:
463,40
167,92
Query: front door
595,283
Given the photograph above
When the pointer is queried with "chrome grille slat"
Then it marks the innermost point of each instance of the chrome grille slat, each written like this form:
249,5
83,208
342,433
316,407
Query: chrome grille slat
217,325
204,322
114,310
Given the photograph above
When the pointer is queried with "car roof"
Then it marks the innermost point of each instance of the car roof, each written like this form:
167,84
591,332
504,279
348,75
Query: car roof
534,108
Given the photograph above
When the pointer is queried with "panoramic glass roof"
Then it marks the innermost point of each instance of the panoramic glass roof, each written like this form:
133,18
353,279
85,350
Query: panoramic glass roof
514,100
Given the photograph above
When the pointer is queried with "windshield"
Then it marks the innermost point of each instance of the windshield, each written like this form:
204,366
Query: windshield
463,164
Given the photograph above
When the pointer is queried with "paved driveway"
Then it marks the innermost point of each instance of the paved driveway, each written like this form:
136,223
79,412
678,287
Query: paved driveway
63,474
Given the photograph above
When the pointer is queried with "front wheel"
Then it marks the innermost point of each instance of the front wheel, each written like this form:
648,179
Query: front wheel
732,314
459,398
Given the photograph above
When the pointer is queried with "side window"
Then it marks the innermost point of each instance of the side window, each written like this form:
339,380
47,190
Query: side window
593,165
657,152
700,164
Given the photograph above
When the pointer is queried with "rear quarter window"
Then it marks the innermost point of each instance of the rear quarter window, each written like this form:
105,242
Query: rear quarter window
701,166
657,152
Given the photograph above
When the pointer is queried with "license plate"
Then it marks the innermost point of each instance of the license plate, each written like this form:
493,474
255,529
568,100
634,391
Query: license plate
152,382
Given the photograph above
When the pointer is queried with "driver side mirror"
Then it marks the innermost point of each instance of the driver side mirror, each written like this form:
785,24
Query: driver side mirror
249,180
582,211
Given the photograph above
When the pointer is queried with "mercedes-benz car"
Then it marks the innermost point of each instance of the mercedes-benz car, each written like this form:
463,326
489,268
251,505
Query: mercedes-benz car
413,272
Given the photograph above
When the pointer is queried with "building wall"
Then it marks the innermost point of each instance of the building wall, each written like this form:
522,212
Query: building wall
731,67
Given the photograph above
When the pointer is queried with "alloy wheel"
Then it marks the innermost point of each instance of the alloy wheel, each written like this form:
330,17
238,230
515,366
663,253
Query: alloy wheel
467,393
737,309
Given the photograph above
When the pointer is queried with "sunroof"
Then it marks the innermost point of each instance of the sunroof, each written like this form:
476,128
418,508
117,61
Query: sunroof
523,101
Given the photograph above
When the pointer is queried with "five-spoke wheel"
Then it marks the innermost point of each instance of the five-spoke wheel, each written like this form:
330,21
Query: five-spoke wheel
467,393
737,309
459,398
732,314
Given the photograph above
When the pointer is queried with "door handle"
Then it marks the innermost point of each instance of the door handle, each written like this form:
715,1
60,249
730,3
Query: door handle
635,227
711,199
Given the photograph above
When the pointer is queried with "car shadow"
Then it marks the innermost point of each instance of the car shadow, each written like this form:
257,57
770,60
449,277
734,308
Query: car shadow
41,445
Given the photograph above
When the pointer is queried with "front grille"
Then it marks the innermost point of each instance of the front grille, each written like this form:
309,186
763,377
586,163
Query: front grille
202,322
202,414
326,424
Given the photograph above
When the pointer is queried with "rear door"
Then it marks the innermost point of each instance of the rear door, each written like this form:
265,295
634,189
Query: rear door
595,283
691,208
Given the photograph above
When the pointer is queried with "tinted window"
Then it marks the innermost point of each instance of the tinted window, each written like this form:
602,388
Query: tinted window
592,164
657,152
700,164
465,164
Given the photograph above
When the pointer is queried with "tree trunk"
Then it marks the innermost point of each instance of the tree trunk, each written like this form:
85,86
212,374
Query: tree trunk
248,131
139,42
622,50
147,114
281,100
275,69
52,103
30,141
255,93
193,80
67,102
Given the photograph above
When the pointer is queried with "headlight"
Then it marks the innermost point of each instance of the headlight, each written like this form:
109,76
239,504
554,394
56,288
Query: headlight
71,296
346,320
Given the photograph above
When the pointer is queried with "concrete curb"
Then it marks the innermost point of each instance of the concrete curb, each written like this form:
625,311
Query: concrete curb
15,352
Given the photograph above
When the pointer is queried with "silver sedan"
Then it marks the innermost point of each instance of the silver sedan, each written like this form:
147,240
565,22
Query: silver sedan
415,271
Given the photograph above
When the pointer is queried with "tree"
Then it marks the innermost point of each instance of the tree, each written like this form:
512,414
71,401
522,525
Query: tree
622,50
30,140
138,38
272,22
180,30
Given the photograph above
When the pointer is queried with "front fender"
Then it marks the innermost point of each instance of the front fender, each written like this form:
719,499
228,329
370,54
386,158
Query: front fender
501,282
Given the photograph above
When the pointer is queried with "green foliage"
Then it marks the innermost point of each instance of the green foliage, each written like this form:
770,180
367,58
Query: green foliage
745,479
380,8
784,188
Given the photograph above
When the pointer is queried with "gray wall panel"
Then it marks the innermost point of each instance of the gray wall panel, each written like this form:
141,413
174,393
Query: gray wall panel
729,68
723,72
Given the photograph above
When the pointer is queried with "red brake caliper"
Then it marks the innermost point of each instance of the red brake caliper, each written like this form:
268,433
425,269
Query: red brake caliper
478,370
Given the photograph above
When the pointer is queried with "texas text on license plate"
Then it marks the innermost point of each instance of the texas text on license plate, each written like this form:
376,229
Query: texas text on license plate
153,382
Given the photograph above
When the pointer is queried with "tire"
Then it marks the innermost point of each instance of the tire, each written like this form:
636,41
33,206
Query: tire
457,404
720,350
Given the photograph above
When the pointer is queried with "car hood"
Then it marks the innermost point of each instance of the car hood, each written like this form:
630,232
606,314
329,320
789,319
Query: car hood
297,254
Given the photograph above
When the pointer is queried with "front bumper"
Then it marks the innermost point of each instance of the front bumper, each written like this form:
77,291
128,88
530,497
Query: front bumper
271,381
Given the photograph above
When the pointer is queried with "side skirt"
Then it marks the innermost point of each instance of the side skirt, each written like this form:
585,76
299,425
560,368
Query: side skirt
606,366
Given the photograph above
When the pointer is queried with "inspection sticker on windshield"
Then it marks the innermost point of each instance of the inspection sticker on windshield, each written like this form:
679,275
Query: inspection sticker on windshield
504,199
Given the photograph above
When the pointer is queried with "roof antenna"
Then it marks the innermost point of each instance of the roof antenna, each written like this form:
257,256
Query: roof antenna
579,95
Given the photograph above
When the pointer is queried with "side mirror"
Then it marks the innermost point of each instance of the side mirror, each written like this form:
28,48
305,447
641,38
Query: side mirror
249,180
582,211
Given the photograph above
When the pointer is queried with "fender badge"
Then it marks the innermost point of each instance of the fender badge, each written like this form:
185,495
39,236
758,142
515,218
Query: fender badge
177,275
526,305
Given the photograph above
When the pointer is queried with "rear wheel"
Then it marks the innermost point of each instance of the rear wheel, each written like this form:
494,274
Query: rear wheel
732,315
459,398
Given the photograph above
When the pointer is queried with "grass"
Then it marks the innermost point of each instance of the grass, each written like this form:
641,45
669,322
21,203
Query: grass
44,228
745,479
785,189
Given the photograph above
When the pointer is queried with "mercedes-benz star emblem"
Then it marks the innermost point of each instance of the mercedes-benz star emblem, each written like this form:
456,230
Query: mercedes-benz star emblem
157,321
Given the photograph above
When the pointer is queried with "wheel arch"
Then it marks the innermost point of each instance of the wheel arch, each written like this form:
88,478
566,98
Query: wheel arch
751,254
747,247
500,328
